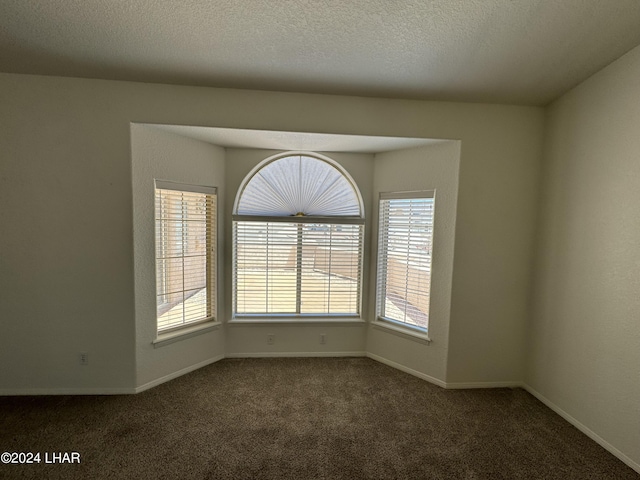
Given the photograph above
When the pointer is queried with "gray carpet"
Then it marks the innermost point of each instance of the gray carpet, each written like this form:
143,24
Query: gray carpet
332,418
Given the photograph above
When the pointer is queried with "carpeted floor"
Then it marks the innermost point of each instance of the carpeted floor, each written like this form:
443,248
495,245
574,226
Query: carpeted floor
295,418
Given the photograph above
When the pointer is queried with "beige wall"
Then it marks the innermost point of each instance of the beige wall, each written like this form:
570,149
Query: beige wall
67,271
432,167
160,155
584,340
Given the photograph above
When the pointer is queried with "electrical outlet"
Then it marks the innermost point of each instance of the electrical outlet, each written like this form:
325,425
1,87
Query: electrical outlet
271,339
323,338
83,358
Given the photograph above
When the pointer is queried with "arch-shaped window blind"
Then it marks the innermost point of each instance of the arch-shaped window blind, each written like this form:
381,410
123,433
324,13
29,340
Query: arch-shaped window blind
298,234
299,184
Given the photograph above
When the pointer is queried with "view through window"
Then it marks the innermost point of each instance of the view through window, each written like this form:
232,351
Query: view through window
298,239
185,254
404,257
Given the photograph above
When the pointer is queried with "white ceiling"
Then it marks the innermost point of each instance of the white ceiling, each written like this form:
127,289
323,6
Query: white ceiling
503,51
298,141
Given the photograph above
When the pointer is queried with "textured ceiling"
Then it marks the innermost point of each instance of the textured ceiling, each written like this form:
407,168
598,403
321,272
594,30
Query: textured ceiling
505,51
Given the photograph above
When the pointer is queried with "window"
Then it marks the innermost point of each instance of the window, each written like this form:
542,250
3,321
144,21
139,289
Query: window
404,257
185,254
298,232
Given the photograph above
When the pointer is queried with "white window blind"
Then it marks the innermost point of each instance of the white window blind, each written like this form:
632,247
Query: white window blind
298,236
297,267
404,257
185,254
299,184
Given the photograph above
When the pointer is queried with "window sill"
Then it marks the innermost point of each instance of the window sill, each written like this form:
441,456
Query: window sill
295,321
184,333
405,331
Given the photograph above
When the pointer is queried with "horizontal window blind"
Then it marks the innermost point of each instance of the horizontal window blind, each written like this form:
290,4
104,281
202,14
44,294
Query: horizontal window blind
297,267
404,257
185,254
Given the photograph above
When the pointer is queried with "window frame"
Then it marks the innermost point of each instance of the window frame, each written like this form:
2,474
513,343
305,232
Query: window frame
382,318
316,220
210,258
300,220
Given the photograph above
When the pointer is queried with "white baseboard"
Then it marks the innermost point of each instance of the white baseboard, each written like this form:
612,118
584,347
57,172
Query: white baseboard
14,392
166,378
107,391
294,354
584,429
467,385
179,373
408,370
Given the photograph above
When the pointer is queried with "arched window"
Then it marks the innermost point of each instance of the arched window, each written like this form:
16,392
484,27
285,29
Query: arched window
298,231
